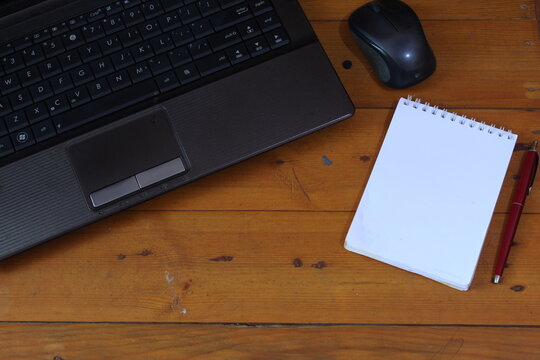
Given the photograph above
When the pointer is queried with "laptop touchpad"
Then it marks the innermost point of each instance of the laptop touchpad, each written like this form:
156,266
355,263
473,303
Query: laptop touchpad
127,156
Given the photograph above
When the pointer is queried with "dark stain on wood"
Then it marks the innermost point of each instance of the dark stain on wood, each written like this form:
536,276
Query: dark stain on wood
521,147
280,162
327,161
58,358
517,288
187,285
516,177
121,256
515,243
536,132
145,252
222,258
319,265
506,265
298,262
347,64
364,158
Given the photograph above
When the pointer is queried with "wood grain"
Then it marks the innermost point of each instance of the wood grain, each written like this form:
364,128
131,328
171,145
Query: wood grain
443,10
474,68
256,267
163,341
329,169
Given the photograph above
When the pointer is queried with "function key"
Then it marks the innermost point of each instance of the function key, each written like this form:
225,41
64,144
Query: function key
169,5
96,15
260,6
130,3
22,43
6,49
114,8
59,29
77,22
41,36
268,21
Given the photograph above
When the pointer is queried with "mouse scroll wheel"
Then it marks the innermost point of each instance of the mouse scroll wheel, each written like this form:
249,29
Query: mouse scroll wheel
376,8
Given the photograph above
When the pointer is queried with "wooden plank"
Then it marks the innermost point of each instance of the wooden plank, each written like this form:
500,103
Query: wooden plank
426,9
474,67
263,267
329,169
152,341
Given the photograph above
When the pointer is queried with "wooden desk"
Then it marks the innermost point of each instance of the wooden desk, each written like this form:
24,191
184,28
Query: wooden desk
249,263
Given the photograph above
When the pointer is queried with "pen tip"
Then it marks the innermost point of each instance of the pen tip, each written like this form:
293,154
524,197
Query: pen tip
496,279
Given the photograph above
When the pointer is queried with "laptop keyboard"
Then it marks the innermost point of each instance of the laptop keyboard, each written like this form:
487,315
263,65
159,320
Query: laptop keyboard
85,68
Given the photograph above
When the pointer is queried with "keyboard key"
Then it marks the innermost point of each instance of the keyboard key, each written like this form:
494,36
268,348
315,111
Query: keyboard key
139,72
114,8
167,82
182,36
105,105
110,44
78,96
130,3
149,29
33,55
169,5
43,130
170,21
249,29
142,52
20,99
93,31
53,47
230,17
122,60
208,7
57,105
257,46
59,29
41,91
199,49
132,17
77,22
37,112
189,14
225,39
70,60
268,21
61,83
119,80
277,38
16,121
50,68
82,75
73,39
201,28
102,67
98,88
3,128
130,37
112,24
238,54
159,64
9,84
12,63
95,15
152,9
89,52
5,107
162,44
260,6
29,76
6,49
41,36
22,43
23,139
187,73
6,147
179,56
228,3
213,63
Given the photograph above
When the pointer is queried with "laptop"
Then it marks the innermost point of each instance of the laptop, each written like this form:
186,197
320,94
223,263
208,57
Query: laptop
105,104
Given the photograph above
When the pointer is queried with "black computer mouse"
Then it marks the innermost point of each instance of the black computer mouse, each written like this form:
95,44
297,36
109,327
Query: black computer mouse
390,34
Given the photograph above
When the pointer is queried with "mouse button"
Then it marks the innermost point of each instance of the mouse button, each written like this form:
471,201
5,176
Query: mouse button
375,7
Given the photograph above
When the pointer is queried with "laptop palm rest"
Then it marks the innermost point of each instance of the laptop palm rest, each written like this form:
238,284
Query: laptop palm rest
128,156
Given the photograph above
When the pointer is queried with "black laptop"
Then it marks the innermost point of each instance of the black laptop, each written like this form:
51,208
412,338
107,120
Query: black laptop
105,104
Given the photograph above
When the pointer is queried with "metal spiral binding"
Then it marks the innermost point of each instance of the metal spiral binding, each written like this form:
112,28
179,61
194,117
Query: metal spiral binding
459,119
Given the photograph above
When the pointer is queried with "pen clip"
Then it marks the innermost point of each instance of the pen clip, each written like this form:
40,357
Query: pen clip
533,175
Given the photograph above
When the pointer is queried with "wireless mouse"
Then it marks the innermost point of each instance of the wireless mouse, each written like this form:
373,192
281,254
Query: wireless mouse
390,34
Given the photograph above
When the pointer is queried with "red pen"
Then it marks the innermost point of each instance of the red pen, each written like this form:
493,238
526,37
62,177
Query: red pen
528,172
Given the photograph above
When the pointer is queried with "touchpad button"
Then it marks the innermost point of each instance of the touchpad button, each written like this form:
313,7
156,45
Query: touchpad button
138,151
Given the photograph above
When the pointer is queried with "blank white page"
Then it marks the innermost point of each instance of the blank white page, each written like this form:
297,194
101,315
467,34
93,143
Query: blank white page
431,195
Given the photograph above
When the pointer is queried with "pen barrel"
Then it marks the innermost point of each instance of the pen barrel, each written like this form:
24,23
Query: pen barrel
508,237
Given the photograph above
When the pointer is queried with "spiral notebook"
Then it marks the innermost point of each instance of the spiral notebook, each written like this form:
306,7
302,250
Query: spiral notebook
431,195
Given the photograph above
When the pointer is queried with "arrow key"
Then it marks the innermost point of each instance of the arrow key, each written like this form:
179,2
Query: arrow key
238,54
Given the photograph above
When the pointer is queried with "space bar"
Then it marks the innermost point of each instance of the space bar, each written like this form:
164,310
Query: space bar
107,105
